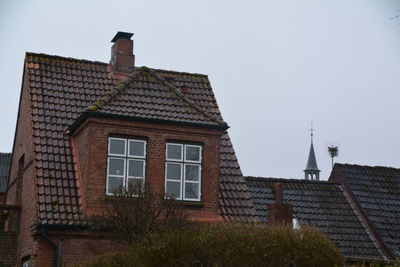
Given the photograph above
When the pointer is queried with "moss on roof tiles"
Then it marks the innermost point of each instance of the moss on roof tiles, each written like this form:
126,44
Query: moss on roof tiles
149,75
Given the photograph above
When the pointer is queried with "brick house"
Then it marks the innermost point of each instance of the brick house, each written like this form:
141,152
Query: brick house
86,127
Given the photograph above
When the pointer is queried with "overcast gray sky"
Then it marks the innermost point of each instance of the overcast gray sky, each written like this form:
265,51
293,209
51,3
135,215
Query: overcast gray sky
275,66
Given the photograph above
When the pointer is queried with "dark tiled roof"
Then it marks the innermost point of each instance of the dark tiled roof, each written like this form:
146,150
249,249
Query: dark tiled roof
62,88
321,204
235,200
5,161
377,190
148,95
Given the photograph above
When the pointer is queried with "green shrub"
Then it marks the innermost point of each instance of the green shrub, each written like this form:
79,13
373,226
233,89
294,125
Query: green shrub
228,244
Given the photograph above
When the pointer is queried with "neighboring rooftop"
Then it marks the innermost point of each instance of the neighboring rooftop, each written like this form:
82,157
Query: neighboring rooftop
321,204
5,161
377,191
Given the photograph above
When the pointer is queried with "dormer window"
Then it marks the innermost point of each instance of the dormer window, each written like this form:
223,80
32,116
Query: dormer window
126,163
183,171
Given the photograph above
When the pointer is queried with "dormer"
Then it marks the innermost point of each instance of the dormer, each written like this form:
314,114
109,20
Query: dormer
156,127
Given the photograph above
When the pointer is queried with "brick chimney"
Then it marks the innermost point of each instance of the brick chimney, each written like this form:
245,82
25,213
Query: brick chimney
279,212
122,57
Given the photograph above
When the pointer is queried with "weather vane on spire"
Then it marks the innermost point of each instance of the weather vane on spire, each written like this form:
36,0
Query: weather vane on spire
311,172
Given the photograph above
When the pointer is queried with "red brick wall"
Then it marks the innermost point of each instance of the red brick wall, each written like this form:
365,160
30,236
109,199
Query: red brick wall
80,154
91,141
28,213
23,147
77,246
8,248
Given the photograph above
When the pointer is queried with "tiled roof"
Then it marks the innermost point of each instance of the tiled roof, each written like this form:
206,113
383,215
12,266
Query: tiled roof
62,88
235,200
321,204
5,161
377,190
147,95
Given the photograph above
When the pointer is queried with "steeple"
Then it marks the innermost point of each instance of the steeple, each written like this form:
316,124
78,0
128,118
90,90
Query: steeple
311,172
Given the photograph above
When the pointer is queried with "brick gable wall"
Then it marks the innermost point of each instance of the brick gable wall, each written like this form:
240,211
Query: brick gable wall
8,247
22,188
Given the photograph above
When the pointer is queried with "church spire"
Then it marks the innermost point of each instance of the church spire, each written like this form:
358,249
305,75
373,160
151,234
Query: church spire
311,172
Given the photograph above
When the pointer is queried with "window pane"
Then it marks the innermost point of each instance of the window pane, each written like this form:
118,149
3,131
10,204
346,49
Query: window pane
192,190
136,148
173,171
136,185
136,168
174,152
192,153
116,166
117,146
114,183
173,189
192,172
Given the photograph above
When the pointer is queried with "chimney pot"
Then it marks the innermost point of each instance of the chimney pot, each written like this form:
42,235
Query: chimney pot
122,57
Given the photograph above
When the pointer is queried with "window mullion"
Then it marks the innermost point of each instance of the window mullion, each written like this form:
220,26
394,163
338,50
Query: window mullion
183,171
126,164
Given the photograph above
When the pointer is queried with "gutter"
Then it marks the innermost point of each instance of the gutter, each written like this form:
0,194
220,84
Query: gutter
57,249
82,117
370,260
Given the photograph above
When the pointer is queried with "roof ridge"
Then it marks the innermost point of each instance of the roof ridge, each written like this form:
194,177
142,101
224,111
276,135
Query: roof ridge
366,166
185,98
289,180
181,72
43,55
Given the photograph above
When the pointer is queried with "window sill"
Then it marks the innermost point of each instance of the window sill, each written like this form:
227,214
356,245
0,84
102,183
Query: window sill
190,203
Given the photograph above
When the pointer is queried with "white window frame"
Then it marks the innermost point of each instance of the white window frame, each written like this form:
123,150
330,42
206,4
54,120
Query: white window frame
182,149
109,147
183,162
126,157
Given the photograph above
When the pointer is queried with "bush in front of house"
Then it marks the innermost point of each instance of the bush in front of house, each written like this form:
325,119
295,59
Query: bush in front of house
228,244
135,212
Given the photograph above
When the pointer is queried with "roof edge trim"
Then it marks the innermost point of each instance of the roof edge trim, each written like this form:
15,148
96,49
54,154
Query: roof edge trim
291,180
84,115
